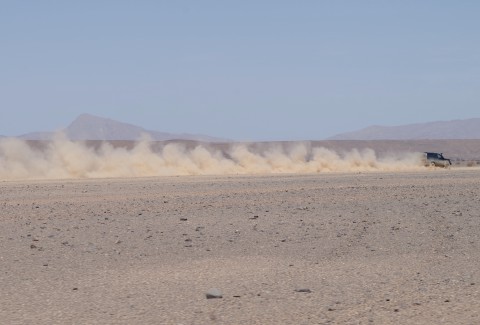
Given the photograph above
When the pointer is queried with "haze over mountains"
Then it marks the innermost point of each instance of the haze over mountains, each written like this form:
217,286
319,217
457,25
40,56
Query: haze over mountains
90,127
456,129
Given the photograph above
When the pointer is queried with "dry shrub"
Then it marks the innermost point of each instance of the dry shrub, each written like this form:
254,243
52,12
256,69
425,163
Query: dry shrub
471,163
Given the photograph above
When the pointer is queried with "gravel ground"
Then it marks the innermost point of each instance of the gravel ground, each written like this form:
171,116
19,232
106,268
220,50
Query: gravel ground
367,248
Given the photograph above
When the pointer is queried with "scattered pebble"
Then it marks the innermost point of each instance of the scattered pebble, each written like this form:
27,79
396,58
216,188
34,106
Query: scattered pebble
213,293
305,290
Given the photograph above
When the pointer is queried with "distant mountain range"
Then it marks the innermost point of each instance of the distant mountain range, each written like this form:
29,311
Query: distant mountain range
456,129
90,127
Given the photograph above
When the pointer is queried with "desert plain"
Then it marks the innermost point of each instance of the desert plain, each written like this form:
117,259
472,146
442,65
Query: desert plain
331,248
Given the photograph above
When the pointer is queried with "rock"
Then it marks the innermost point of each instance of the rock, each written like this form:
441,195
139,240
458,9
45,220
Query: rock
305,290
213,293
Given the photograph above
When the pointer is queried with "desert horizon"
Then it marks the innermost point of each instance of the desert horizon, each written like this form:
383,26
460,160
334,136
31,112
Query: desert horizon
240,163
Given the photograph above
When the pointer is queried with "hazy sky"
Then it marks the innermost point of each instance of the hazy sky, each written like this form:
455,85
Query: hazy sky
245,70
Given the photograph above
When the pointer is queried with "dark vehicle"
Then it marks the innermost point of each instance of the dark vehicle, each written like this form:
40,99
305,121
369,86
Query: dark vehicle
436,160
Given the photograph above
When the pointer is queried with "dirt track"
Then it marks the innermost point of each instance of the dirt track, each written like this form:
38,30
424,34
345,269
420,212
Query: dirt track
400,248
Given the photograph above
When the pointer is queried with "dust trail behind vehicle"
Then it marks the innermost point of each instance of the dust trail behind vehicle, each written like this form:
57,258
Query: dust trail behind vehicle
63,159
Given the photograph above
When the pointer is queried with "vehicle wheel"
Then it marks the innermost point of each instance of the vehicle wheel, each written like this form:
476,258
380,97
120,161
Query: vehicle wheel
432,164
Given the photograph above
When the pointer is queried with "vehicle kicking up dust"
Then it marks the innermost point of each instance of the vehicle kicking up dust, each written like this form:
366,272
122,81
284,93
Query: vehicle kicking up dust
436,160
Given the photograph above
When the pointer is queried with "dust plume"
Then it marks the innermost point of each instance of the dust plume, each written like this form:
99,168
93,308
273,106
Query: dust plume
65,159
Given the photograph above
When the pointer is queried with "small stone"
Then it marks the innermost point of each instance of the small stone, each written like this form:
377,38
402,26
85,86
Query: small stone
213,293
183,219
305,290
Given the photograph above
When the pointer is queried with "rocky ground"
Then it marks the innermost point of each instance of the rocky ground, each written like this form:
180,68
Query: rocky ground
368,248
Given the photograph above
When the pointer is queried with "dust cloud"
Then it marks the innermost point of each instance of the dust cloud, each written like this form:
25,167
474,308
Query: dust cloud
65,159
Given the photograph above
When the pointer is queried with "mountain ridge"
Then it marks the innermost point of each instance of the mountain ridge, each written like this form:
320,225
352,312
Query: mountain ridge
454,129
92,127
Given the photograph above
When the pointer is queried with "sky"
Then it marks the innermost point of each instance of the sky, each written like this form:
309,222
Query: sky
242,70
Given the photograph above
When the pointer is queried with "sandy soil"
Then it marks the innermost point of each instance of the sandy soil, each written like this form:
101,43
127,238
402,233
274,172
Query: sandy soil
381,248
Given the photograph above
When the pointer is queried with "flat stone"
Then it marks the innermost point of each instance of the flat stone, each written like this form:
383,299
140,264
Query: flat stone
213,293
305,290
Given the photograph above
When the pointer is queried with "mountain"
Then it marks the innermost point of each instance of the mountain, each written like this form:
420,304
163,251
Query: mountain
91,127
456,129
